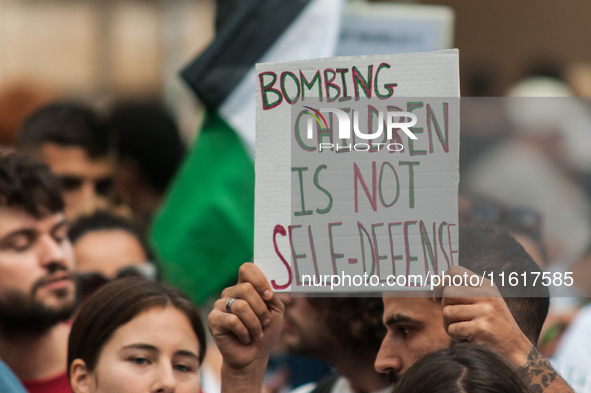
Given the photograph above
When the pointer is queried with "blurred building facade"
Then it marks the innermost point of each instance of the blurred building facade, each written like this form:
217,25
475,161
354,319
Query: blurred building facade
103,50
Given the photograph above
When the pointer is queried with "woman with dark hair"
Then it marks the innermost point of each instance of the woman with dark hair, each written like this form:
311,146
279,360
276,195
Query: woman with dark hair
134,335
463,368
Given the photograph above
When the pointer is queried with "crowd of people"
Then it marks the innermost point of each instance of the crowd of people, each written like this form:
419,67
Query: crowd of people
82,309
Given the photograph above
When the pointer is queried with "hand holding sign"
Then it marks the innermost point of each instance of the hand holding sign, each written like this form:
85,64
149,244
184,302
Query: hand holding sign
246,335
479,314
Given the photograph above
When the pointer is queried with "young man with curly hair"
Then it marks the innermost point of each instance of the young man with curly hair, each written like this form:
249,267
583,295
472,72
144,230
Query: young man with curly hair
345,332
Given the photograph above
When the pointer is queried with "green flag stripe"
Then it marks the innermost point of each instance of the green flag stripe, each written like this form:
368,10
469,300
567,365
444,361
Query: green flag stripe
205,229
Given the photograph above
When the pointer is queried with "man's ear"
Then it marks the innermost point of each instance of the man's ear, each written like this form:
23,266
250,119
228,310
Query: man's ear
80,377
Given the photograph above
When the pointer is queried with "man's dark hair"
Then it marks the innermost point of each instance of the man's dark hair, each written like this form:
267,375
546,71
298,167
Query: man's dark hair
148,134
101,221
489,248
65,124
28,184
463,368
355,321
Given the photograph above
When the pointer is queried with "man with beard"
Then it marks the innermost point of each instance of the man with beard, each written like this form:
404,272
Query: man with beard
345,332
416,326
477,314
37,292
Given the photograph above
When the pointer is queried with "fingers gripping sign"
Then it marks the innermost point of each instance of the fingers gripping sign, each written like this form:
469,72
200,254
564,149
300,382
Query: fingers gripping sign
477,313
247,320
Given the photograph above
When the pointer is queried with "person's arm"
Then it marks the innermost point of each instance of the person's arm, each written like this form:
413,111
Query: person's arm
540,374
246,335
480,315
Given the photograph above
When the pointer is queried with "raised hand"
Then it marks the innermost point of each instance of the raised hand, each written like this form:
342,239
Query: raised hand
480,315
246,334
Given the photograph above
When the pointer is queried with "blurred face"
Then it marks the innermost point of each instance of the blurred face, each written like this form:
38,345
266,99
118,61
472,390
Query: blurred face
36,258
157,351
86,182
304,328
415,328
107,251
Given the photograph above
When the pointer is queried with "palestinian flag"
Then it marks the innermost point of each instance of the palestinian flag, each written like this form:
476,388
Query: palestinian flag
205,228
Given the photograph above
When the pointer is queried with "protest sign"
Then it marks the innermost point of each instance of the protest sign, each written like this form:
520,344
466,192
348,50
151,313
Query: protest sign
346,184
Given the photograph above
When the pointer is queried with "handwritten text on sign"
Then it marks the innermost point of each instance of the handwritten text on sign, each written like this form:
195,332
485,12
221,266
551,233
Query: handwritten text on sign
372,177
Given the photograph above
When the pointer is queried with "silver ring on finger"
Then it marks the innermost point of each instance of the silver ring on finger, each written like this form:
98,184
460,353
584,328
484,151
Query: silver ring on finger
229,305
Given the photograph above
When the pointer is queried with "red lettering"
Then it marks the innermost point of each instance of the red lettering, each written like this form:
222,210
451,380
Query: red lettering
281,231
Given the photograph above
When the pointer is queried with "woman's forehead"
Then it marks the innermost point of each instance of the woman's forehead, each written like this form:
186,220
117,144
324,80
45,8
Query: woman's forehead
164,326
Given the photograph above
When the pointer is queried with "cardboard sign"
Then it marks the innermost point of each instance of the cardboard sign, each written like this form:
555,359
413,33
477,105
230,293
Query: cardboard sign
357,172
